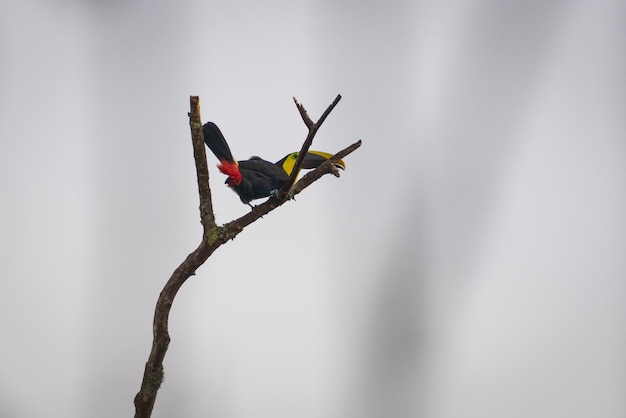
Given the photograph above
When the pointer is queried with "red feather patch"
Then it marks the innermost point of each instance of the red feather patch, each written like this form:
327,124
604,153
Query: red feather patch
232,171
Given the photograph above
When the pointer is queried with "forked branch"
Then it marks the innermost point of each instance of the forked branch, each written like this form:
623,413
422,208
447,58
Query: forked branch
213,238
313,127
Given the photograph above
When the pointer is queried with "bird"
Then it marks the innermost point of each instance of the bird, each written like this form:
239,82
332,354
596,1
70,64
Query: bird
257,178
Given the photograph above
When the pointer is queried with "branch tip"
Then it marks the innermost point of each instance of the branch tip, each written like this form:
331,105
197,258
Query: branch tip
313,127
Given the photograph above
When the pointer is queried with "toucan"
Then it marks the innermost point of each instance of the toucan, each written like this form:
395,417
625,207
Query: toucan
257,178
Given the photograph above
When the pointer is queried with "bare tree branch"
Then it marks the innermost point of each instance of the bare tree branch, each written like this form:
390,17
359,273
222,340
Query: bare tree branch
207,218
313,127
325,168
153,373
213,238
305,116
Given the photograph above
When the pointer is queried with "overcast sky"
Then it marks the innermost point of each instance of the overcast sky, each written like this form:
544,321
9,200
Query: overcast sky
468,263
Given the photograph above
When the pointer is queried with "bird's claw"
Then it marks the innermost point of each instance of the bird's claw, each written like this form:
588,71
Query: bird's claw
289,195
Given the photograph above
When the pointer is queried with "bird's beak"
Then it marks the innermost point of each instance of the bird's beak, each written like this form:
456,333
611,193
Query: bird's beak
314,159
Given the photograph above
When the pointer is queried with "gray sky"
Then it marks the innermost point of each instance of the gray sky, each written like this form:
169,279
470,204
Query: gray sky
468,263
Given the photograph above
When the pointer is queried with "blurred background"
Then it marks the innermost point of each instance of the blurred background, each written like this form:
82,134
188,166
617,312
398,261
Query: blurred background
468,263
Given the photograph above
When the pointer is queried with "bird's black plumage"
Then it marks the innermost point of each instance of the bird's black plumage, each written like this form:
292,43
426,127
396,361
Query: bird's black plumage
259,178
255,178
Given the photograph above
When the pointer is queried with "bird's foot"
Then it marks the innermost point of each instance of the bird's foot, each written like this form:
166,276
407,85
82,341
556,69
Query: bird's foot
289,195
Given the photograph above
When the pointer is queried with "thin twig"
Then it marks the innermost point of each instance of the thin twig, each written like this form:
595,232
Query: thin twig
313,127
303,113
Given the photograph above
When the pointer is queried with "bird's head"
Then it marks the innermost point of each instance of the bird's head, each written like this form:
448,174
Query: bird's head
313,159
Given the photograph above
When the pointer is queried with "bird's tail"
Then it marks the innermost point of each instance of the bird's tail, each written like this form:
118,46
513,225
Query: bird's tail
217,144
